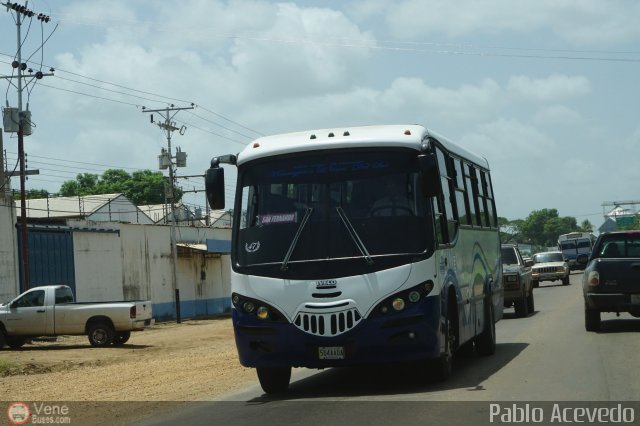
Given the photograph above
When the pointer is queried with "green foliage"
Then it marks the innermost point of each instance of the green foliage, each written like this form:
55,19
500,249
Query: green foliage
585,226
542,228
31,193
141,187
7,368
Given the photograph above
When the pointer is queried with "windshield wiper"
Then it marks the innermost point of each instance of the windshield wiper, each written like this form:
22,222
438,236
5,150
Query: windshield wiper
296,237
354,235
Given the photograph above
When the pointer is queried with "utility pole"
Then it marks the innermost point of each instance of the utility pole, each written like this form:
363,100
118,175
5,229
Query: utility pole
23,121
166,161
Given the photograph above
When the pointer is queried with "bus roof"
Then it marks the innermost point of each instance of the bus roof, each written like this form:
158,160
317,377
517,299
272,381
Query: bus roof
575,236
401,136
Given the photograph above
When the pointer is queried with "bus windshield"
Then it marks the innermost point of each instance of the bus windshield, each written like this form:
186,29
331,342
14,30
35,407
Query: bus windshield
355,206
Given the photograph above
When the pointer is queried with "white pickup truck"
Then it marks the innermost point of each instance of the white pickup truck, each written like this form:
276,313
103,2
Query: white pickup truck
51,311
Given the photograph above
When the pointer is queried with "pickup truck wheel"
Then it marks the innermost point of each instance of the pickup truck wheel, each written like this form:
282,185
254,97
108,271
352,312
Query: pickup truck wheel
531,307
15,342
565,280
591,319
274,379
486,342
121,337
521,307
535,283
100,334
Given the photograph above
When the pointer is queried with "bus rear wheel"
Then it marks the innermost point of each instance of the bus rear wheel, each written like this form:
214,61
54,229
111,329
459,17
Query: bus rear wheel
274,379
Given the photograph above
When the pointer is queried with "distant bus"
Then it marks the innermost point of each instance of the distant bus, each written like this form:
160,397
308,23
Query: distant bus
365,245
573,244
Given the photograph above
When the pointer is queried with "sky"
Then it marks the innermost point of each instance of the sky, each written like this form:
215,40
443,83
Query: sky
547,90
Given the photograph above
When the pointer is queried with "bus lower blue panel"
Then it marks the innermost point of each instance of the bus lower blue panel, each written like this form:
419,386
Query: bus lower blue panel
192,308
410,336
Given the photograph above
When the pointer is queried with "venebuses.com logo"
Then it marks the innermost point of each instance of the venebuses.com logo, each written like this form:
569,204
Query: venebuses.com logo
18,413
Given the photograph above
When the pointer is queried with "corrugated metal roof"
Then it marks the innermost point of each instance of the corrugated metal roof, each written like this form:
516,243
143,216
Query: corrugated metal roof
60,207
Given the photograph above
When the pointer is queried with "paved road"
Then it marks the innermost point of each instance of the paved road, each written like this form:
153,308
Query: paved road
546,357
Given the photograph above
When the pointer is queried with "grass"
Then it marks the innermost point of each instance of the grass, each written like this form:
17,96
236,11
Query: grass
8,368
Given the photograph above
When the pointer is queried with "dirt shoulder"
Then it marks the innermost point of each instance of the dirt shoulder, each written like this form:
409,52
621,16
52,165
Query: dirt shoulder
192,361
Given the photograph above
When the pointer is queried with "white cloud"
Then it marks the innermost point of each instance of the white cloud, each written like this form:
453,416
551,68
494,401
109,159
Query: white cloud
300,65
557,115
576,21
509,141
553,88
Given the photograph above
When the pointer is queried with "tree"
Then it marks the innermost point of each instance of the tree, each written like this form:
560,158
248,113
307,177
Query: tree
585,226
146,187
114,181
542,227
141,187
32,193
85,184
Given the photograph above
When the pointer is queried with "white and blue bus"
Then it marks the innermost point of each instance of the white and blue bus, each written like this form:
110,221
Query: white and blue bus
356,246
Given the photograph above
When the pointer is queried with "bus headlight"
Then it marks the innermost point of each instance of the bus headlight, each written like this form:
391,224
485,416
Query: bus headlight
262,313
248,307
400,301
256,308
398,304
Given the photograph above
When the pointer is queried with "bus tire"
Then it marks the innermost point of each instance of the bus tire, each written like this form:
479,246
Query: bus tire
443,366
274,379
486,341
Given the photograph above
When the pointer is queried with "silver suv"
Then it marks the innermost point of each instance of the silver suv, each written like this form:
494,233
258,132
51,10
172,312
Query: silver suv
549,266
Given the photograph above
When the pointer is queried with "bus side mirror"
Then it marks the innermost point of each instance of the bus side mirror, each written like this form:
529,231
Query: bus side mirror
214,187
430,176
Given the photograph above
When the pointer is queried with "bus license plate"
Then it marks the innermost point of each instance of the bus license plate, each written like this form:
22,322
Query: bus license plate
331,352
635,298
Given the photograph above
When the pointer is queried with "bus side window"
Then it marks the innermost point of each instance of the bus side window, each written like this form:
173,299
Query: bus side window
446,201
462,203
491,203
472,194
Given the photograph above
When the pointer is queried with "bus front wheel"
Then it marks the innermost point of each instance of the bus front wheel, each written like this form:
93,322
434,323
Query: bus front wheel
274,379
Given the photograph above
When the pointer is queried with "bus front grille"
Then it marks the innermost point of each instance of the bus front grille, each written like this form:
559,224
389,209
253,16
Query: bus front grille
327,324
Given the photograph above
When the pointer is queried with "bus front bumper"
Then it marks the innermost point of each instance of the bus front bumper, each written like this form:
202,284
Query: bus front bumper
411,336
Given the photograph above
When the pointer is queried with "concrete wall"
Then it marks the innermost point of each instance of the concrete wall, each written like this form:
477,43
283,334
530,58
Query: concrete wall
9,272
98,263
135,263
115,261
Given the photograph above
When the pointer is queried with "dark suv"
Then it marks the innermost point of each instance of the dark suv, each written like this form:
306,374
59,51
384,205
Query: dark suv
516,276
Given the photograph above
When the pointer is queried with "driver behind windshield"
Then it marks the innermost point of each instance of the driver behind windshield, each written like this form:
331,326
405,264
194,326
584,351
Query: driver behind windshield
395,201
